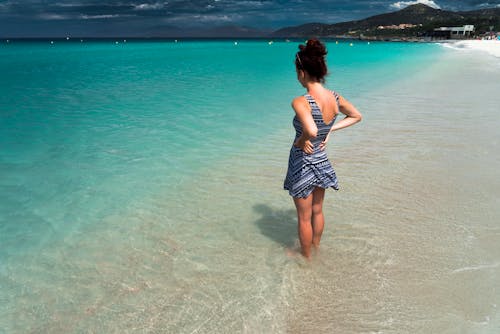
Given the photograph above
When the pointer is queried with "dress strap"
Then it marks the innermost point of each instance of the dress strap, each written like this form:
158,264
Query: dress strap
309,98
312,102
337,97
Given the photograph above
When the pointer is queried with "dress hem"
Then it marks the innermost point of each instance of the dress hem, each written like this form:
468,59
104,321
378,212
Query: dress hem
309,192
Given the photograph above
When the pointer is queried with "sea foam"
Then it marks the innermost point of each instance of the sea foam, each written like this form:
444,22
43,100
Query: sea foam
490,46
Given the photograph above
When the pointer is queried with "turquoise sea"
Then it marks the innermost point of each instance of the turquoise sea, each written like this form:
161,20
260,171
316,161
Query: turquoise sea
141,190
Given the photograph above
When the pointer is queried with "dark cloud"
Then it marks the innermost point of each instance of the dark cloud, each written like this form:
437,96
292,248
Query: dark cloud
133,16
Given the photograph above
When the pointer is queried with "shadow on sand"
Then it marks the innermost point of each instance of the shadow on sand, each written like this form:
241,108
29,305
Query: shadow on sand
277,225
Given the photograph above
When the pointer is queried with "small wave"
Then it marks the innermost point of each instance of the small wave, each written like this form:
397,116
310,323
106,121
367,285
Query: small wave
491,47
479,267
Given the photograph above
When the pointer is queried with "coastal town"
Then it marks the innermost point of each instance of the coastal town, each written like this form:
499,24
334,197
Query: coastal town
441,33
464,32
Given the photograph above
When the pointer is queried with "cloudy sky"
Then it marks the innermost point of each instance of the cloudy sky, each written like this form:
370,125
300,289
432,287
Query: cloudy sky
37,18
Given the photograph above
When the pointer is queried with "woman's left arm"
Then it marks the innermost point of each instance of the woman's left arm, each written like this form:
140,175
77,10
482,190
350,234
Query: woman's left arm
352,114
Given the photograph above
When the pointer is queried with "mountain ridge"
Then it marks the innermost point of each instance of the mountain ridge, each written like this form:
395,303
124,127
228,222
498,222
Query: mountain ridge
423,18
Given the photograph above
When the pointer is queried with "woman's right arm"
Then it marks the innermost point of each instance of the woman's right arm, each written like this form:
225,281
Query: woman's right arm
309,128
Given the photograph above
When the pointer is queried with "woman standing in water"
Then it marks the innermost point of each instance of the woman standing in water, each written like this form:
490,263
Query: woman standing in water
309,171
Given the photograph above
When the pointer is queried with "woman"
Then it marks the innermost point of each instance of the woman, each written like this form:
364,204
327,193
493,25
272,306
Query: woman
309,171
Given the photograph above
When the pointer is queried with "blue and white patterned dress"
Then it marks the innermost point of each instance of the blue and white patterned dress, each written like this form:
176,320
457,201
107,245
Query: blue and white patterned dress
307,171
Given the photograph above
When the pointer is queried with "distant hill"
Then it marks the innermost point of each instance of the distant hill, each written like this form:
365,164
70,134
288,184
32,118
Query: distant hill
424,19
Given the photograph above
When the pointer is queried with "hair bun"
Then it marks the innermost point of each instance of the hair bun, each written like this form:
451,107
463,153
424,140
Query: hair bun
315,47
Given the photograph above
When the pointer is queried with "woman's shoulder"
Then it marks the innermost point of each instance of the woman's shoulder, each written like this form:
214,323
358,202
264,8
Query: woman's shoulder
300,103
299,100
335,94
332,91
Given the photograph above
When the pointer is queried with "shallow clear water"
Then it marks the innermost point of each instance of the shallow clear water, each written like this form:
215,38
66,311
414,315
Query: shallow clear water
142,191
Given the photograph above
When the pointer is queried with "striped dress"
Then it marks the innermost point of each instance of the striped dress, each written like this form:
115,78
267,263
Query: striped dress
307,171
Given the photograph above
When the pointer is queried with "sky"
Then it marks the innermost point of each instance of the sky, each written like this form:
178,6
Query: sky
42,18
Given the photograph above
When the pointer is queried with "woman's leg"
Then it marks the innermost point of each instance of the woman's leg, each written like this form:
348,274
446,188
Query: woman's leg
318,220
304,215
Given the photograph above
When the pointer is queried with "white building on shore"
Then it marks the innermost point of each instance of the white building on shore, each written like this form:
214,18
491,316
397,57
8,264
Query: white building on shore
455,32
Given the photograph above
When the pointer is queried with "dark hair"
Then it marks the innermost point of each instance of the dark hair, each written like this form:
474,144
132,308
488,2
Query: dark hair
311,58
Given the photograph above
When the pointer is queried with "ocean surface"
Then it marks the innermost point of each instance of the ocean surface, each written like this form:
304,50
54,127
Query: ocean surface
141,190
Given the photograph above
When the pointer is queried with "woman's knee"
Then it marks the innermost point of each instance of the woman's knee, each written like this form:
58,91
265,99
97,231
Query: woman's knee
305,218
317,202
317,209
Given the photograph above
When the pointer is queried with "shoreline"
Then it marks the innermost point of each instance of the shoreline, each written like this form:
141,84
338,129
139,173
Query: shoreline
490,46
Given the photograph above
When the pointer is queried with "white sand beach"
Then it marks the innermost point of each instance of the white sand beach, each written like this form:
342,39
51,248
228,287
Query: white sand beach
490,46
